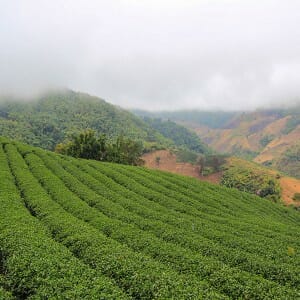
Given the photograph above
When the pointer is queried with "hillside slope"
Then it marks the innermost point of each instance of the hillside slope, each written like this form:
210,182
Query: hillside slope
180,135
51,118
168,161
264,136
75,229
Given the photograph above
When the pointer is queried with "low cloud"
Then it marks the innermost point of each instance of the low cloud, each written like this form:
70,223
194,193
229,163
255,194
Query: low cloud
155,54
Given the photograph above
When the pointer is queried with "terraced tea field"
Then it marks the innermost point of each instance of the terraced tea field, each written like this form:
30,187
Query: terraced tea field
78,229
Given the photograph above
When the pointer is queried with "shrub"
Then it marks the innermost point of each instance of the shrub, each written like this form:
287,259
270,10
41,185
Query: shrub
296,197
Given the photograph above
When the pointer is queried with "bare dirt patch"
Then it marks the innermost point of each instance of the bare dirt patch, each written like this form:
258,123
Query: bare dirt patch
168,162
289,187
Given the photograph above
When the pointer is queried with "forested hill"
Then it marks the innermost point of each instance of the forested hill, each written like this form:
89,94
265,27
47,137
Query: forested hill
180,135
49,119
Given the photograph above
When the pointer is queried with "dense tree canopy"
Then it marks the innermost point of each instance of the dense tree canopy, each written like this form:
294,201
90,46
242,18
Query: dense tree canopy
181,136
87,145
54,117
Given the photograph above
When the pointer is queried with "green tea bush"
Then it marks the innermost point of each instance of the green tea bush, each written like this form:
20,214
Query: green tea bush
77,229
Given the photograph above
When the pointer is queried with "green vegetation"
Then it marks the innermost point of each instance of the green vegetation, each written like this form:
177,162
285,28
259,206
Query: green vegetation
211,163
52,118
87,145
33,265
187,144
182,137
82,229
296,197
251,178
266,139
157,160
289,161
186,156
244,153
292,123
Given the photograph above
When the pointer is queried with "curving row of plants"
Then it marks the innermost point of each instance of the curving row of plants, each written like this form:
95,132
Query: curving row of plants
33,264
139,275
231,235
181,259
77,229
203,199
146,212
281,272
241,207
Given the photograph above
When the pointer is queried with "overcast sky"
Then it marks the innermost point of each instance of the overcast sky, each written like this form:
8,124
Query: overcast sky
155,54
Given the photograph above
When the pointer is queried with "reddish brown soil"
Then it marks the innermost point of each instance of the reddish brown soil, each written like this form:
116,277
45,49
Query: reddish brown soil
168,162
289,187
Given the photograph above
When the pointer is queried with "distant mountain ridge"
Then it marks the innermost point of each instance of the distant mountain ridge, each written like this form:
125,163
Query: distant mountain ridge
212,119
270,137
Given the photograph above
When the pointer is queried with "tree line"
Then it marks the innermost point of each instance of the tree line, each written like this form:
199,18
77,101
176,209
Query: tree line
87,145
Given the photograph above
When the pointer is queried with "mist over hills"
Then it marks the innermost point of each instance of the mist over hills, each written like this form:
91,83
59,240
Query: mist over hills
213,119
270,137
54,116
92,205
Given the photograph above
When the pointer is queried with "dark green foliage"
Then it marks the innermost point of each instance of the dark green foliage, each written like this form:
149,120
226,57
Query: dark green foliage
124,151
35,266
182,137
52,118
265,140
184,155
141,276
87,145
296,197
157,160
252,181
211,163
152,234
245,153
4,293
268,163
289,161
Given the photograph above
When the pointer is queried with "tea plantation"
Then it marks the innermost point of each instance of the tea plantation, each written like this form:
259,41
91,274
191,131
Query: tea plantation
79,229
